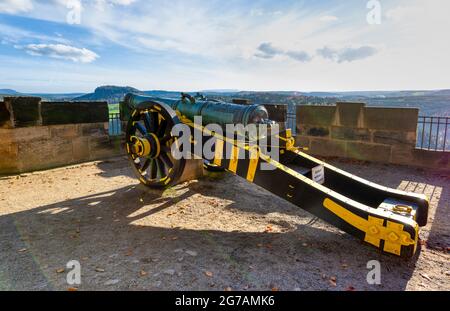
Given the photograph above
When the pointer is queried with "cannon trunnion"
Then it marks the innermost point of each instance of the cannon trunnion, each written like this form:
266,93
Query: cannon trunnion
385,218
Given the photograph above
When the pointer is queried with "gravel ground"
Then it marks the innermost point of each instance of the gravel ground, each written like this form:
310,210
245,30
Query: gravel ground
219,233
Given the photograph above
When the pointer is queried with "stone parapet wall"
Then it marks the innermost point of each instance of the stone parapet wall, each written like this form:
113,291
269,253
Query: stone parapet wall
36,135
354,131
42,147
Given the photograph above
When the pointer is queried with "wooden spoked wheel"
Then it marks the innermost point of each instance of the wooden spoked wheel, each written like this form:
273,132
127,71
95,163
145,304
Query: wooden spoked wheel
148,144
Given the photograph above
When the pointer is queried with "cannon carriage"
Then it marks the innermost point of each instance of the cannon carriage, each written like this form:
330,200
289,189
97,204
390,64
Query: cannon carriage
385,218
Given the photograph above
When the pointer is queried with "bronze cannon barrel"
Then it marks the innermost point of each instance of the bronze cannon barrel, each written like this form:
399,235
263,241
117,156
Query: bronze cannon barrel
211,111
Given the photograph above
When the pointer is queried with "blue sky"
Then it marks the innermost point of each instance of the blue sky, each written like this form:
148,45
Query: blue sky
76,45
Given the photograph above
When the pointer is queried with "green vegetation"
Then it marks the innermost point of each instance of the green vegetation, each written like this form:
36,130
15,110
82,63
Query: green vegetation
113,108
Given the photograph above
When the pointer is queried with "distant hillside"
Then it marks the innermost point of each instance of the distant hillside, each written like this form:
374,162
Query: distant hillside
109,93
8,92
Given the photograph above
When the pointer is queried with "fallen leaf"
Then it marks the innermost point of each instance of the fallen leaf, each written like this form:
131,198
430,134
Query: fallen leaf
425,276
129,252
61,270
268,229
208,274
143,273
333,281
72,289
99,270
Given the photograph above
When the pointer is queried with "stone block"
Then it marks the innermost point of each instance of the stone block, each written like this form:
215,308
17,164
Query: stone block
80,147
100,147
34,133
93,129
394,137
64,131
8,158
35,155
369,152
54,113
277,113
322,116
193,170
349,133
327,148
315,131
349,114
402,154
391,119
302,141
432,159
5,117
6,136
24,110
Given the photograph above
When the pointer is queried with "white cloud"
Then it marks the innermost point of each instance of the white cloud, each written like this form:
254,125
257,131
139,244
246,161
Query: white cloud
328,18
267,51
15,6
347,54
61,51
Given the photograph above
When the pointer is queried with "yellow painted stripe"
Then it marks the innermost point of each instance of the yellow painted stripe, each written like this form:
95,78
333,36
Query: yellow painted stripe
254,158
393,234
234,159
218,152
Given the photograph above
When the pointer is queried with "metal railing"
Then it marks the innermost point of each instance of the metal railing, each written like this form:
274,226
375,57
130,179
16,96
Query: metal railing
433,133
291,117
115,125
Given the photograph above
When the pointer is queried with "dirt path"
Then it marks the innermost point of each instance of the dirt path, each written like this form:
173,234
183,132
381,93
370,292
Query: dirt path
213,234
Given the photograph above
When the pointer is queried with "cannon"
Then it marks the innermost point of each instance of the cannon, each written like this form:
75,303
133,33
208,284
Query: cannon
385,218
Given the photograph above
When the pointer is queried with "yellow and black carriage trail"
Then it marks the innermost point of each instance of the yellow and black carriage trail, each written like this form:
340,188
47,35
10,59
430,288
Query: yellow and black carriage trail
386,218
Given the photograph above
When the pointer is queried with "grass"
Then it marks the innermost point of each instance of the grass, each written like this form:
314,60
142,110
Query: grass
113,108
